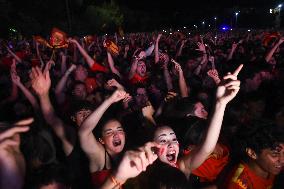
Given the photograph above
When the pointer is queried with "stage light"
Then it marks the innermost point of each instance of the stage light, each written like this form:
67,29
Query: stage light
279,6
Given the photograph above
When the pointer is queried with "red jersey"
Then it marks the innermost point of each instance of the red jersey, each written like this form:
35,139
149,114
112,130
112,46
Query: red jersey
211,168
242,177
138,79
97,67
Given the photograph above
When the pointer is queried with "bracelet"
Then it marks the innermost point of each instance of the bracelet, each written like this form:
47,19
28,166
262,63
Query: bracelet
114,181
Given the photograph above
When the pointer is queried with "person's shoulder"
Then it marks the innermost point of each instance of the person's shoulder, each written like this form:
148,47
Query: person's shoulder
238,178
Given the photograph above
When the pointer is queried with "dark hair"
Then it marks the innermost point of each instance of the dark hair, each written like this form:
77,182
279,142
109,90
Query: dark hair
80,105
54,173
165,176
258,136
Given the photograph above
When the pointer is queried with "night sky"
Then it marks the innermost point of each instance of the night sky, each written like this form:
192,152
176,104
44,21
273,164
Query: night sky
38,16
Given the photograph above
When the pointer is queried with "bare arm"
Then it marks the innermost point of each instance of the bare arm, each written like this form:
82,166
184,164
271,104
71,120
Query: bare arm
63,63
38,54
182,84
225,93
180,49
126,49
16,80
233,49
86,56
157,48
150,49
89,143
111,65
272,51
167,77
14,55
133,68
59,89
41,84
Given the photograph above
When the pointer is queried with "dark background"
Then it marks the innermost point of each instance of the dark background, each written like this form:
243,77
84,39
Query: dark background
96,16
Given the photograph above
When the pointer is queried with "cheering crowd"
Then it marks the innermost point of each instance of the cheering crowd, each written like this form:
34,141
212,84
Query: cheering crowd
167,110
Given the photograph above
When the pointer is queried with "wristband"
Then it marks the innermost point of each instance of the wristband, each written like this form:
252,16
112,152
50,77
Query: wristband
114,181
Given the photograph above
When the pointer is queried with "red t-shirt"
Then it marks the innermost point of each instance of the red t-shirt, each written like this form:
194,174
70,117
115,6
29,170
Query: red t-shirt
211,168
98,67
8,61
138,79
242,177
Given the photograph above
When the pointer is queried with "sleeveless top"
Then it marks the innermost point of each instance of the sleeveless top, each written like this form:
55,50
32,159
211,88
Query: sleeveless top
99,177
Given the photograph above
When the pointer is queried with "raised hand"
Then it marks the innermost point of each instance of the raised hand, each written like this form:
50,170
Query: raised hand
40,81
170,96
134,162
118,95
201,47
71,40
229,87
11,159
14,75
126,48
159,37
148,111
177,66
48,66
114,83
234,46
213,73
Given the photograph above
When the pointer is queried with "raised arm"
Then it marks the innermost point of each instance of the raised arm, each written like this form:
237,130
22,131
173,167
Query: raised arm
111,65
178,54
226,91
233,49
167,76
38,54
126,49
150,50
157,48
14,55
59,89
17,81
131,165
86,56
272,51
133,68
13,96
41,84
63,63
90,145
182,84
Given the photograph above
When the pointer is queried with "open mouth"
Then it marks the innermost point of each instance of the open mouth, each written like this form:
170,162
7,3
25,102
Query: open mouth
278,167
171,156
116,143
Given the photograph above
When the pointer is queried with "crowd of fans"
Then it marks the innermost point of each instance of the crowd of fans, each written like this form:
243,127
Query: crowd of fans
167,111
